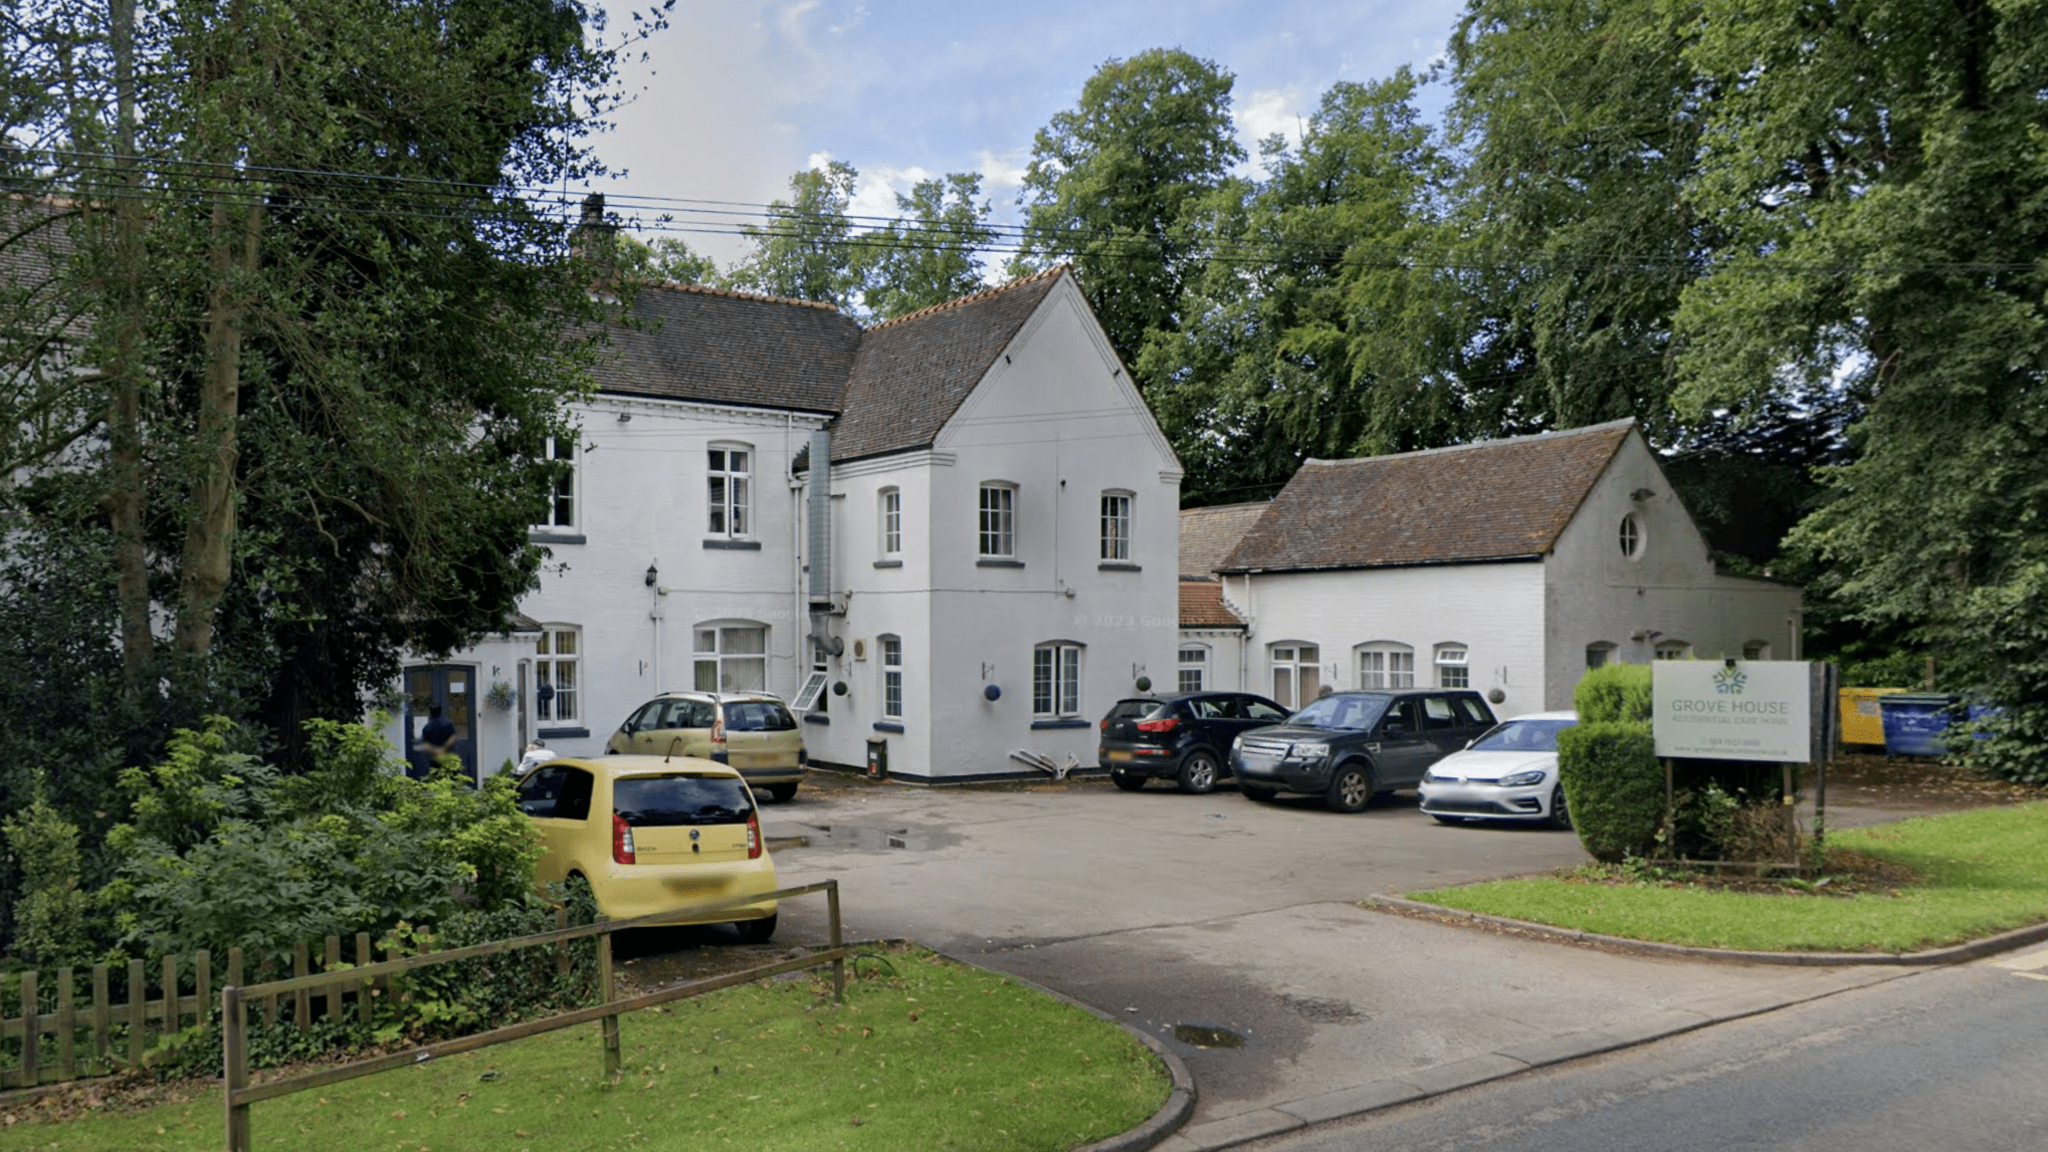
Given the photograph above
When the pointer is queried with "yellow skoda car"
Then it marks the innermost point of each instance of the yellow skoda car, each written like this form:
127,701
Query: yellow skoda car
654,834
752,731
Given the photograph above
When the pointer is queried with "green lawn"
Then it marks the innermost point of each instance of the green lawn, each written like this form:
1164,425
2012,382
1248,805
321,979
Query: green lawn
924,1054
1980,872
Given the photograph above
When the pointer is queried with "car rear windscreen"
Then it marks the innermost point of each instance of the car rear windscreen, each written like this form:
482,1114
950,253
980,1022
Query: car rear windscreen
1134,709
667,801
758,716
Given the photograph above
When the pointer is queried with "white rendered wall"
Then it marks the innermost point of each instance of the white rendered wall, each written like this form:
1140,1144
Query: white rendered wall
1597,594
644,500
1494,610
1057,417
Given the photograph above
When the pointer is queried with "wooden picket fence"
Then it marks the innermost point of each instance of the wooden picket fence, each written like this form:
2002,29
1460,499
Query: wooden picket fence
52,1034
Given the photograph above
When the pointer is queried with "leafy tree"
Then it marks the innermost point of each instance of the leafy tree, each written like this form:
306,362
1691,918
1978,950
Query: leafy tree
1113,181
1581,124
805,251
1309,333
927,255
669,258
1879,172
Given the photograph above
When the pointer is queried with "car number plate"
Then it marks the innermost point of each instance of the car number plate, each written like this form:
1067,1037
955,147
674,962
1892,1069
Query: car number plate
1121,754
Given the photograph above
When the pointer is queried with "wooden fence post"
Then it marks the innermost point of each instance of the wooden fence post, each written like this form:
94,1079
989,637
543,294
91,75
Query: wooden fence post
31,1032
838,963
364,1000
610,1024
332,967
302,1000
171,1016
102,1017
67,1025
138,1011
234,1062
202,985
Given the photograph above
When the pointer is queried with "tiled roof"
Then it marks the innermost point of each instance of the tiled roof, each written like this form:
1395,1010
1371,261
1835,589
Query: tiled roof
914,372
696,343
1202,606
1497,500
1208,534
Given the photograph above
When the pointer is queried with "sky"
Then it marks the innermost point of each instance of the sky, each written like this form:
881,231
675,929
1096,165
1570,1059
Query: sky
737,95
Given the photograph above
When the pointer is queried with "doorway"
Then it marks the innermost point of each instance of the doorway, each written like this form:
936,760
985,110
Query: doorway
445,690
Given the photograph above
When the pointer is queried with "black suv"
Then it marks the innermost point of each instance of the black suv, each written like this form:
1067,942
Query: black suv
1348,747
1185,738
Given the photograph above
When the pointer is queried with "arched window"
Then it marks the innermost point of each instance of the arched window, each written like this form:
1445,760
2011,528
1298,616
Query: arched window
1600,653
1757,650
890,516
892,676
1297,675
1673,649
1453,668
557,679
1386,664
1116,526
1194,668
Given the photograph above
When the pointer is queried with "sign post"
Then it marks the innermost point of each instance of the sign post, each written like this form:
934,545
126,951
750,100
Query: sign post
1755,710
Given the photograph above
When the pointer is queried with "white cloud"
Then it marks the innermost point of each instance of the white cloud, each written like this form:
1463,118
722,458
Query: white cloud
1270,111
874,195
1000,171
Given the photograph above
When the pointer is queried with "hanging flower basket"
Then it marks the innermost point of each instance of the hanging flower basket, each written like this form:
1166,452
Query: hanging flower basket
501,697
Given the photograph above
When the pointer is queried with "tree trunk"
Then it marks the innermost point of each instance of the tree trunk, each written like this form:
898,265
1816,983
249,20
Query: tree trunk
237,228
128,491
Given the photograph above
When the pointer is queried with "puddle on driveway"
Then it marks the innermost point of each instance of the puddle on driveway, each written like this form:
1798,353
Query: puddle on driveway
1207,1036
867,838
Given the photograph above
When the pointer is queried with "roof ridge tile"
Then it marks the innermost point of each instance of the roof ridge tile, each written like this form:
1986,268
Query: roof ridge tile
957,301
735,294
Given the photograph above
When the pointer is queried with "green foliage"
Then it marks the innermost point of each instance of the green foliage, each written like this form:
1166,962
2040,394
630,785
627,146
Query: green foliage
1114,182
223,852
925,256
805,251
1614,786
50,915
669,258
1898,668
1613,692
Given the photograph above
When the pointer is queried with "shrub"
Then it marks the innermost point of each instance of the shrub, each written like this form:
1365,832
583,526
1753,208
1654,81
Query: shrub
223,852
1613,785
50,915
1613,692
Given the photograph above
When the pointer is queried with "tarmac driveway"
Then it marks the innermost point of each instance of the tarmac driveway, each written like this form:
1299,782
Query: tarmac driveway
1229,930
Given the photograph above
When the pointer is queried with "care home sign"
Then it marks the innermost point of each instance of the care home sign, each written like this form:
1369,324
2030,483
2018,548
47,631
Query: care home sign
1732,710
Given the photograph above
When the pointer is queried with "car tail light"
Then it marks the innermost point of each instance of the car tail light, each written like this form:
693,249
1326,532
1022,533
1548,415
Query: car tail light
1166,725
1105,723
622,840
753,835
718,732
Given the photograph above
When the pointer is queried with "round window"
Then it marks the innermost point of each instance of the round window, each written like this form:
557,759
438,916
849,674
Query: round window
1631,537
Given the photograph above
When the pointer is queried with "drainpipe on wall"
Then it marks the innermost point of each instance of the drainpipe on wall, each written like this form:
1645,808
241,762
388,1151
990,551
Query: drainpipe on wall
819,498
800,658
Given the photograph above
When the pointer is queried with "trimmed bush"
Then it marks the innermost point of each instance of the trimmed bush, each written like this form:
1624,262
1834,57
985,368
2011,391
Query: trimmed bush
1612,782
1613,692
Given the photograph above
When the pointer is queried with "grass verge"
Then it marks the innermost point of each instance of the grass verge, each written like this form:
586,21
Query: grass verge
925,1054
1978,872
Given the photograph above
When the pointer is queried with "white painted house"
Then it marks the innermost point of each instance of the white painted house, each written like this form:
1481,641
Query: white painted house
964,521
1508,566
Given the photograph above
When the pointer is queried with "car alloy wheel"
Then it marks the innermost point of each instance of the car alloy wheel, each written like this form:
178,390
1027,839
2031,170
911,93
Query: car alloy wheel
1560,814
1198,772
1128,781
1350,788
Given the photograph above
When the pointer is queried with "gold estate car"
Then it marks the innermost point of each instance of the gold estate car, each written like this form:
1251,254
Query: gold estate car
751,731
653,833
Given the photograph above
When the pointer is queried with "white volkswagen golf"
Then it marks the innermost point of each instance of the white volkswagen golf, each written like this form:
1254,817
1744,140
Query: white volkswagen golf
1508,774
